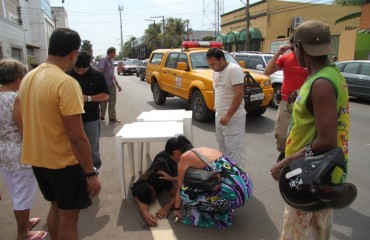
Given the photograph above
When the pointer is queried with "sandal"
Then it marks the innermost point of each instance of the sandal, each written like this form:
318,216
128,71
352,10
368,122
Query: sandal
38,235
32,222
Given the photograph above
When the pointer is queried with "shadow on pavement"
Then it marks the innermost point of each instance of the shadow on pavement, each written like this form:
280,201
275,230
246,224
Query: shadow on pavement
90,215
259,125
250,222
129,216
349,218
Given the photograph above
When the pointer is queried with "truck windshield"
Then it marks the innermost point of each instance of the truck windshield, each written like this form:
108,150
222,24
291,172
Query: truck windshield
199,60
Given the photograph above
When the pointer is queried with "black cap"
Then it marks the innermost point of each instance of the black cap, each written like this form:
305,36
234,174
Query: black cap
83,60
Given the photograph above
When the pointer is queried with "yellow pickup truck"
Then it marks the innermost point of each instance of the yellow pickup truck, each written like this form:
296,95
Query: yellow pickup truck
185,73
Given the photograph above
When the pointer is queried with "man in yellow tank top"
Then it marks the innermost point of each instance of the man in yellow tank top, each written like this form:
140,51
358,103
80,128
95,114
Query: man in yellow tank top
320,122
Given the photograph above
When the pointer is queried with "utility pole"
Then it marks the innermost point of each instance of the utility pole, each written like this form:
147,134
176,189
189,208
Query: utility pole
247,40
120,9
163,31
187,29
155,27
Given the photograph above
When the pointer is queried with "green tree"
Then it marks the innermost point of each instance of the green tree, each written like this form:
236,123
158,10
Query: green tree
350,3
153,35
128,50
87,46
174,32
208,38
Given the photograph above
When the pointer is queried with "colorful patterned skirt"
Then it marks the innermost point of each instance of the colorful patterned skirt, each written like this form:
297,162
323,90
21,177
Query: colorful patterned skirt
216,209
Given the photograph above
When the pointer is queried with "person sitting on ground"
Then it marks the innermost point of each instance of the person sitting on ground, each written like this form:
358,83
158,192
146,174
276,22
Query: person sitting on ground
18,177
208,209
160,176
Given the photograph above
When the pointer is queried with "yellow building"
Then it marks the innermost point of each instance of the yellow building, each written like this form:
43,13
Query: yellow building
272,22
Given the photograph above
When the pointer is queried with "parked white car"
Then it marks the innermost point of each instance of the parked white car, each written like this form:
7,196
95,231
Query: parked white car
257,62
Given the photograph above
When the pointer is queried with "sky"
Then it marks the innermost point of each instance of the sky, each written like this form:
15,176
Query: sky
99,20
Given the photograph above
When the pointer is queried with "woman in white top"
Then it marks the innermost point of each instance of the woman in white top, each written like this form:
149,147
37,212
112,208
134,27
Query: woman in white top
19,178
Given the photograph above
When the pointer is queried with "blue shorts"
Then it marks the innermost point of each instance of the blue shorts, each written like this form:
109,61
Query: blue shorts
67,186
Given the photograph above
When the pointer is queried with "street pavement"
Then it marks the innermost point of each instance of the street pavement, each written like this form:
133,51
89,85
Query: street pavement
261,218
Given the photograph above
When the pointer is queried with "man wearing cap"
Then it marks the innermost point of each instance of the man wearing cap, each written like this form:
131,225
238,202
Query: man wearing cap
94,90
294,76
320,122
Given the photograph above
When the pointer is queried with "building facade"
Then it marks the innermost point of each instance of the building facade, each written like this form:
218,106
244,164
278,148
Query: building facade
60,17
38,25
272,22
12,35
26,27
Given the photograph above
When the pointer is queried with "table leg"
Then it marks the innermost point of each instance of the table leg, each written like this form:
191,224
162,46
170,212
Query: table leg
188,131
147,148
130,148
121,164
140,154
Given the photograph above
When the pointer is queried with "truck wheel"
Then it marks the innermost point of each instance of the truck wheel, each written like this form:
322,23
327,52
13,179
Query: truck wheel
159,96
200,111
258,112
275,101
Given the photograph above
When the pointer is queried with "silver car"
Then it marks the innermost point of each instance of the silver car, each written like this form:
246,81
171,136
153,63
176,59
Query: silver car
357,75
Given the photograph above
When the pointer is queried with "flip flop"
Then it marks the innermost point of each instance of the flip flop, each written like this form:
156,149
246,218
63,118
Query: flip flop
39,235
32,222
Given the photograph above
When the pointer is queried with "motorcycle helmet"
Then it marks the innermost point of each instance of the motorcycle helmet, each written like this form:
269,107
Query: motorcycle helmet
306,183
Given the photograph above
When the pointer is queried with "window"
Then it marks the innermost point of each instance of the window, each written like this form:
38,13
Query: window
199,60
183,58
242,58
157,58
365,69
351,68
172,60
17,54
253,61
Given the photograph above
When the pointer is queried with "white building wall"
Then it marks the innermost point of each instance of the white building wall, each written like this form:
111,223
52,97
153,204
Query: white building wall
38,25
60,17
12,37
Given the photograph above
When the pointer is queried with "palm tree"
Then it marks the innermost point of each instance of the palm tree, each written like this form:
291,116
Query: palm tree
175,30
350,3
153,35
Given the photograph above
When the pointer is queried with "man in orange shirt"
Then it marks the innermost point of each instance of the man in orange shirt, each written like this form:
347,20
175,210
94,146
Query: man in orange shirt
294,76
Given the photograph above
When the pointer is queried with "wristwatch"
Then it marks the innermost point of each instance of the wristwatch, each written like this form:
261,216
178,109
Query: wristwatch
92,174
309,151
89,98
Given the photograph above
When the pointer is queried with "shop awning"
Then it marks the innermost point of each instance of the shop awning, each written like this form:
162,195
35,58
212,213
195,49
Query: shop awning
254,34
221,38
232,37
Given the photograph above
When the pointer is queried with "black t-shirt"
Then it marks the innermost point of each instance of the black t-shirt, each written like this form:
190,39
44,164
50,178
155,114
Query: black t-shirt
161,162
92,83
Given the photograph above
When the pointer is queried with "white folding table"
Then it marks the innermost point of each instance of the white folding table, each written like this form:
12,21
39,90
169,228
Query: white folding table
179,115
141,132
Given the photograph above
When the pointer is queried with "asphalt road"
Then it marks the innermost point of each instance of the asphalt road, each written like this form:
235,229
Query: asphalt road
110,217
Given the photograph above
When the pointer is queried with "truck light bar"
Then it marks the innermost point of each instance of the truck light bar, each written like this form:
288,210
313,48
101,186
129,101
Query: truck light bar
199,44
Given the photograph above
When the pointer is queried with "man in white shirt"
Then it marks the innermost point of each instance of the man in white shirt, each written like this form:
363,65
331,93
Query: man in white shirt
228,84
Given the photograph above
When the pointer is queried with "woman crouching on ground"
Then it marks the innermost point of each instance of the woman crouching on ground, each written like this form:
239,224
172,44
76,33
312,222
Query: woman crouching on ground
201,208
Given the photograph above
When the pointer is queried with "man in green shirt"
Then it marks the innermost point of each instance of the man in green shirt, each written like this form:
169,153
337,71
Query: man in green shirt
320,122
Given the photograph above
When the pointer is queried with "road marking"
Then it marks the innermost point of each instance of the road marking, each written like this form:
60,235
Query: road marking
163,231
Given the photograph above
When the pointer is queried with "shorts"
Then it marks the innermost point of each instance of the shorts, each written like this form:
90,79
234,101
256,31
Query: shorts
22,187
67,186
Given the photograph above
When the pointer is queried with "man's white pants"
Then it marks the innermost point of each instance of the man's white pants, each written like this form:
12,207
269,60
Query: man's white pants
230,139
